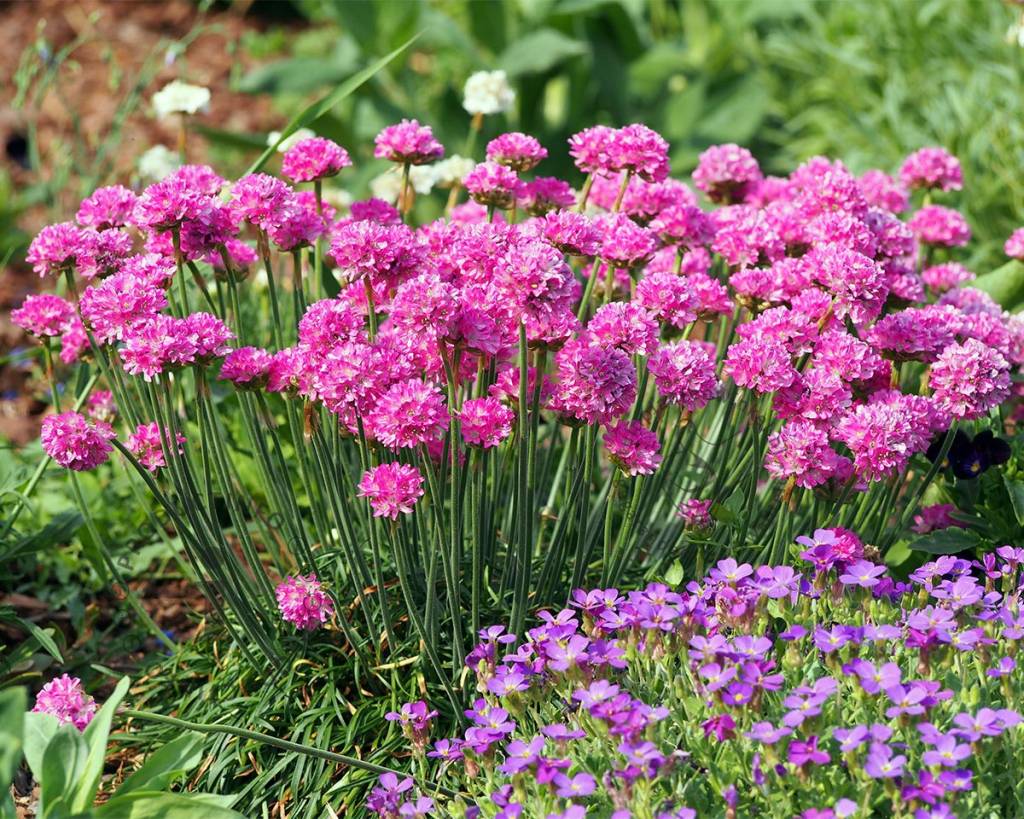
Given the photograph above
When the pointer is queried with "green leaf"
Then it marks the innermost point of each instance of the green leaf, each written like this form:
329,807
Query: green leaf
302,74
330,284
39,730
945,541
737,113
539,51
42,637
63,763
674,575
60,529
95,735
12,718
317,109
1004,284
177,757
1015,489
154,805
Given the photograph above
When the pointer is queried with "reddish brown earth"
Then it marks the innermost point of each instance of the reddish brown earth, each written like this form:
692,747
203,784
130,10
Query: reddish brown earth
122,34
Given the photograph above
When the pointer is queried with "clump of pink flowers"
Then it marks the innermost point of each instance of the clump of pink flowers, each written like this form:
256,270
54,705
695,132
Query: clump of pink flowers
75,442
64,698
303,602
146,444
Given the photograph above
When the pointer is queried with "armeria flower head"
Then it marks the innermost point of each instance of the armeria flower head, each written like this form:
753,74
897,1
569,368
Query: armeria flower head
633,448
156,344
409,413
487,92
246,367
179,97
101,407
882,191
314,158
119,303
572,233
167,204
545,194
74,442
683,225
942,277
297,224
626,325
303,602
856,282
208,333
639,150
744,235
938,225
684,373
408,143
932,168
517,150
485,422
43,315
625,243
106,208
800,450
727,173
969,379
392,489
259,198
146,444
1014,246
590,148
64,698
596,384
761,364
385,253
54,248
493,185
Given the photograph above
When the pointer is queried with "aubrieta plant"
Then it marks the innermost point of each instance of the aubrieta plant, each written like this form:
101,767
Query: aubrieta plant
825,690
398,432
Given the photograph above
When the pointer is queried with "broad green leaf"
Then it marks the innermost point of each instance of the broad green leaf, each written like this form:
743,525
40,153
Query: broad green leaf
674,575
155,805
945,541
64,760
539,51
317,109
39,729
95,735
737,113
178,756
1004,284
1015,489
12,718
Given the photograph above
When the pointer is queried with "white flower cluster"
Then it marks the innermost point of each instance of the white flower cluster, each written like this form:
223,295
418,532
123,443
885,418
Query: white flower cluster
180,98
488,92
422,178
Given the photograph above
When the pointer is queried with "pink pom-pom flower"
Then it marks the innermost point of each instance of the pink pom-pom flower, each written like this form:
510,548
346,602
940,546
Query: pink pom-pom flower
314,158
392,489
76,443
408,143
485,422
493,185
633,448
303,602
64,698
969,379
146,444
516,150
934,168
43,315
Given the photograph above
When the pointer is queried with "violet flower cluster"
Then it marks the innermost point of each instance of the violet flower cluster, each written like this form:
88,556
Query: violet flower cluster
828,689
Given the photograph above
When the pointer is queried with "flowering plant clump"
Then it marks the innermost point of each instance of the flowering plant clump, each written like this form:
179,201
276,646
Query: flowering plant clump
827,689
558,383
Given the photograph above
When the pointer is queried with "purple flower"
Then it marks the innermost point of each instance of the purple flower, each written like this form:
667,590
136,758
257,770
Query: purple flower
721,727
882,764
521,755
583,784
862,573
599,691
947,752
806,753
766,733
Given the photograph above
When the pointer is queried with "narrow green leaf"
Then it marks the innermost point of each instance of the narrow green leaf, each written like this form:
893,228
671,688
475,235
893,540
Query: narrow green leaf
326,103
42,637
95,735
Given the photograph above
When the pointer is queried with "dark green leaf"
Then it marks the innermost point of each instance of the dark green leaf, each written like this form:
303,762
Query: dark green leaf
42,637
945,541
177,757
12,718
539,51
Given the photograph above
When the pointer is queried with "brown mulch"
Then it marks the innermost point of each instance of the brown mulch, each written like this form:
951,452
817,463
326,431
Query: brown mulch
124,34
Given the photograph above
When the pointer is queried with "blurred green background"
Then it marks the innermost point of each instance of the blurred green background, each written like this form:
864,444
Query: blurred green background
863,80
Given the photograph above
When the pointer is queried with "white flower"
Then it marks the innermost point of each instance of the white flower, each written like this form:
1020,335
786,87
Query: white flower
338,198
288,142
158,162
180,98
487,92
451,170
422,178
387,186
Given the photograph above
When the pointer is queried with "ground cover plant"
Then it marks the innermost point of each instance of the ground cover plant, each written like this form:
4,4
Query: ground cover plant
362,429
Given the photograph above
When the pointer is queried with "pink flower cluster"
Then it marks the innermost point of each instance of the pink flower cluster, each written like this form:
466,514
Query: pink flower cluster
392,489
303,602
146,444
76,443
64,698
